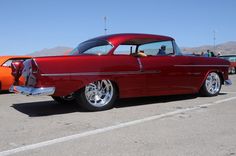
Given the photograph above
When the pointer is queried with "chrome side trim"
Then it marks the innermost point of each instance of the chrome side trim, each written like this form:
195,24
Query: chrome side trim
201,65
103,73
228,82
32,91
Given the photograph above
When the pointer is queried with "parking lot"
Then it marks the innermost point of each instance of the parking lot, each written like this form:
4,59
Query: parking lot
170,125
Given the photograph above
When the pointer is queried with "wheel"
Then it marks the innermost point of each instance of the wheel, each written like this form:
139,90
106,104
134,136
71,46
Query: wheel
212,85
97,96
64,99
233,70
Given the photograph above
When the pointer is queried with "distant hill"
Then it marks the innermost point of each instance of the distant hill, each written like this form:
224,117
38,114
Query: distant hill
224,48
52,51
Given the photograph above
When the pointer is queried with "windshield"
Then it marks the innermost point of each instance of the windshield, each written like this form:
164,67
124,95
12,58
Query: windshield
95,47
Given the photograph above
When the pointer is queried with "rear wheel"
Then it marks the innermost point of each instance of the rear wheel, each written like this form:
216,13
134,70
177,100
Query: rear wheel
212,85
97,96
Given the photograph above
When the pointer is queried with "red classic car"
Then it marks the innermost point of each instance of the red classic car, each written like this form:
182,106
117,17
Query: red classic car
105,68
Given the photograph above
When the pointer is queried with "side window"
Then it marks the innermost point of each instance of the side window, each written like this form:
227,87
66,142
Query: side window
99,50
7,63
157,48
125,50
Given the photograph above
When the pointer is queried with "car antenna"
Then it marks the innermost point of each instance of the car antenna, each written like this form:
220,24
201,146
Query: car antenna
105,25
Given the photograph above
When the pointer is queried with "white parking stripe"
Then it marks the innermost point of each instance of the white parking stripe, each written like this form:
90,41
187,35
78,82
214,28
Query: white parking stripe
110,128
229,92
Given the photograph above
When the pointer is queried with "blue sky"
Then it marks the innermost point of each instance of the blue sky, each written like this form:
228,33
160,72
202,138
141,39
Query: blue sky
30,25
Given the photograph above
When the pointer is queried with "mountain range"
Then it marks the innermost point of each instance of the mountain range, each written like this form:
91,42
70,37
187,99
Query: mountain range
60,50
224,49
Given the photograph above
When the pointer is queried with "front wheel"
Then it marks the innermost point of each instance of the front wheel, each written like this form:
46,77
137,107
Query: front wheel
233,70
97,96
212,85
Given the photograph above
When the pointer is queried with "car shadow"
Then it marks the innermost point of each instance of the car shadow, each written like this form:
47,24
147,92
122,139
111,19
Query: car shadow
45,108
5,92
48,108
132,102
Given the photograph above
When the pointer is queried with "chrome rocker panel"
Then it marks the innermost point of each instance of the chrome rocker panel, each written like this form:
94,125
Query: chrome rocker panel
30,91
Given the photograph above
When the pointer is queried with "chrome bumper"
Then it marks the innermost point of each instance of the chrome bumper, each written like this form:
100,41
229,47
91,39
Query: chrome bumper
32,91
228,82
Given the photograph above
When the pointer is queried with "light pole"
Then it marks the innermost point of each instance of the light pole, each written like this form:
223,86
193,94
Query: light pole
214,40
105,25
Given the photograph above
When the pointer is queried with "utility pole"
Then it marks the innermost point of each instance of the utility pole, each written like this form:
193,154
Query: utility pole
105,25
214,40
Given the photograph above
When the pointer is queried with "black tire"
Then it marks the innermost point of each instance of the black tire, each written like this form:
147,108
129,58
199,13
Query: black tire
88,105
212,85
64,100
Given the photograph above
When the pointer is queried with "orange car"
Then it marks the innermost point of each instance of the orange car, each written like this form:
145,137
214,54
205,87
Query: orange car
6,79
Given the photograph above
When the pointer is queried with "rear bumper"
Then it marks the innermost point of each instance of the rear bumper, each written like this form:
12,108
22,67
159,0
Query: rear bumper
32,91
228,82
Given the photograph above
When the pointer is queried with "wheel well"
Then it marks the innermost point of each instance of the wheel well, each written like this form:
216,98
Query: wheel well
218,72
116,87
221,77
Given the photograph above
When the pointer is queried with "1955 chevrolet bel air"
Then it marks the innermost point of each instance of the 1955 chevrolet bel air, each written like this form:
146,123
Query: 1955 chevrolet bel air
102,69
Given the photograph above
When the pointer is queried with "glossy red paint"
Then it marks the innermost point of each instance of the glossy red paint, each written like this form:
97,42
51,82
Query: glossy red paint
134,76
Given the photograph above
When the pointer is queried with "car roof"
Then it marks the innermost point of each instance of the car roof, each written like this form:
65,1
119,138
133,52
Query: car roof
134,38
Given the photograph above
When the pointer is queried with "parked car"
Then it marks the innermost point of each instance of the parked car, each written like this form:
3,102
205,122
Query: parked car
6,79
105,68
232,60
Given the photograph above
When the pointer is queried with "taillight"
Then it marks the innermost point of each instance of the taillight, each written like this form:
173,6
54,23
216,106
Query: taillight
17,68
35,68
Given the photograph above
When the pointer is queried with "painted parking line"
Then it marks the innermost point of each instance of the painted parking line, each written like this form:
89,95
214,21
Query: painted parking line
109,128
228,92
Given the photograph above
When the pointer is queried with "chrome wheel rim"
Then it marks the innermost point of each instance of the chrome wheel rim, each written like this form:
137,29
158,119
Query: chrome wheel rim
213,83
99,93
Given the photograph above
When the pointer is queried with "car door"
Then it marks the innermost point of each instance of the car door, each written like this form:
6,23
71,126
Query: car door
167,73
132,84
